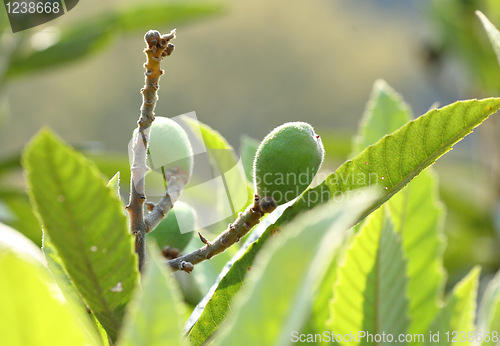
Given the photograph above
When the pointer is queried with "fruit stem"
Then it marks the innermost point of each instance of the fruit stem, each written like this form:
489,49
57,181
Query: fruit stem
234,232
158,47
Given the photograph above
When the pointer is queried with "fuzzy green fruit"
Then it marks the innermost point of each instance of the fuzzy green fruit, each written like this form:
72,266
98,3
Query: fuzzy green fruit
285,163
169,147
168,232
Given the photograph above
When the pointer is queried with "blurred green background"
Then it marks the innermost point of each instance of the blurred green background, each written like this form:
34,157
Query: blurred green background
247,67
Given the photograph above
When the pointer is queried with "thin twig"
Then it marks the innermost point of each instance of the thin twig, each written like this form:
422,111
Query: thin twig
235,231
176,180
158,47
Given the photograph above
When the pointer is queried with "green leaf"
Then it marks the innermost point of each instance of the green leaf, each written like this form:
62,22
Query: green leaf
224,159
418,216
370,291
76,43
459,312
10,163
492,32
14,241
95,34
279,294
416,210
31,313
155,315
489,313
320,314
396,158
86,225
61,277
248,148
110,163
114,184
385,113
464,41
21,216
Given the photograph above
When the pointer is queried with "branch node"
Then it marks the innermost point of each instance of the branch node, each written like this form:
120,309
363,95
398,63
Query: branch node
204,240
267,204
168,50
186,266
150,206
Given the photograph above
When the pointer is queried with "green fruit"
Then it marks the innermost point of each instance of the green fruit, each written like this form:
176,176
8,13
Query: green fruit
285,163
168,231
169,147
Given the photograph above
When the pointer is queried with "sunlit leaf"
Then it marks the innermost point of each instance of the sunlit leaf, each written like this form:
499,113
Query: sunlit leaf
31,313
61,277
21,216
370,291
489,313
114,184
155,315
86,225
14,241
416,210
493,33
458,314
385,113
418,216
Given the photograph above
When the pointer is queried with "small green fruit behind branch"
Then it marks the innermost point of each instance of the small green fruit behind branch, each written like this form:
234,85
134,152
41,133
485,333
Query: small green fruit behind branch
285,164
170,149
168,232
